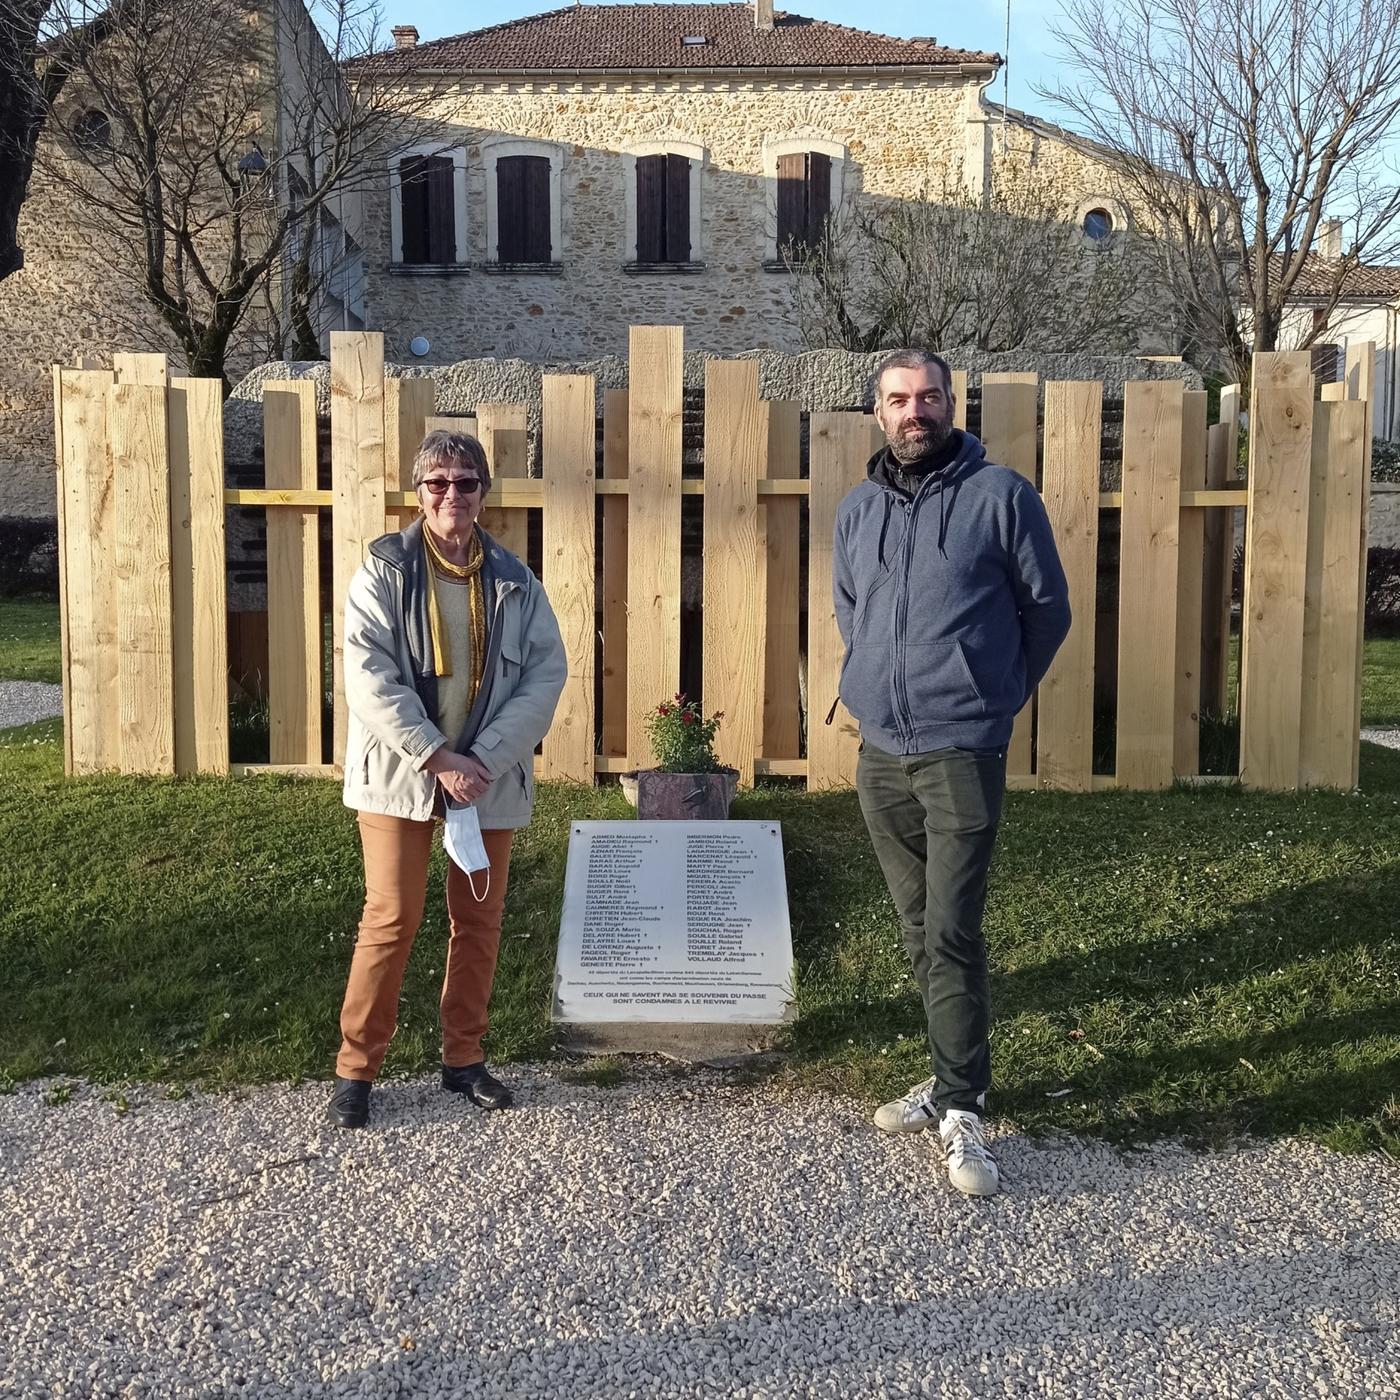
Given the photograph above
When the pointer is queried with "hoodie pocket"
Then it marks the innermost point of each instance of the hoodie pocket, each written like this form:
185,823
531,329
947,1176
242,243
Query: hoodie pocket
940,684
865,686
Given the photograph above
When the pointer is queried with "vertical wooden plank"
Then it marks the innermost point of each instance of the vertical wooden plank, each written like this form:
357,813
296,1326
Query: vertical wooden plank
570,418
1328,731
91,719
1361,384
357,480
1147,593
60,498
736,451
1219,547
408,404
960,398
504,430
780,525
1276,550
1073,431
615,431
1190,580
841,444
140,369
1009,406
450,424
204,416
293,573
181,576
654,526
145,684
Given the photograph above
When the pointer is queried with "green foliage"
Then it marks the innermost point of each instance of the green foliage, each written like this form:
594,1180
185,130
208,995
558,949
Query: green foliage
682,739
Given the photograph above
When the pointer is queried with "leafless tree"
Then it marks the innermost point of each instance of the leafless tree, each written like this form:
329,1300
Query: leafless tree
207,146
1238,126
1003,270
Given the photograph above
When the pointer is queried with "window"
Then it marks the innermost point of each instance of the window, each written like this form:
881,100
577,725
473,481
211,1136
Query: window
804,202
663,209
1098,225
426,206
524,206
804,175
522,210
93,131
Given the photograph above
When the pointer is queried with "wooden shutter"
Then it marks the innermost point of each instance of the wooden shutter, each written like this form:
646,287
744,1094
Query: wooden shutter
522,209
792,203
677,209
442,220
538,246
651,209
413,208
818,197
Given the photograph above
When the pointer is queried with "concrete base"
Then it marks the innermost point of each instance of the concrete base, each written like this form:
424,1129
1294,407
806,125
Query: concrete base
694,1042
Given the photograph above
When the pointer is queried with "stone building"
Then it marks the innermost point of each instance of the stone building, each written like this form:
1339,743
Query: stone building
599,166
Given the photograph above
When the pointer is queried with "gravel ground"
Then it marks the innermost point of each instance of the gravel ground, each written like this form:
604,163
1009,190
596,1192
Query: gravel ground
27,702
671,1237
1389,737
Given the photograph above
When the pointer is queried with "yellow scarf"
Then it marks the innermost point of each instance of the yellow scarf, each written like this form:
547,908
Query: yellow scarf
470,572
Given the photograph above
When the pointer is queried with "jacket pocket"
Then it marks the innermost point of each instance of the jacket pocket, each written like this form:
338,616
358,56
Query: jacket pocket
865,686
940,684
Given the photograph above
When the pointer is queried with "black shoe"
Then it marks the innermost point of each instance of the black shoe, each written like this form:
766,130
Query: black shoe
478,1084
349,1105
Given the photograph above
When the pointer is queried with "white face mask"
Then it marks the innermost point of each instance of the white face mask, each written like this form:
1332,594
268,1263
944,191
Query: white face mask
461,837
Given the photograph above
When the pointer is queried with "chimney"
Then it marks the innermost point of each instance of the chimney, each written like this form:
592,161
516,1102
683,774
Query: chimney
405,36
1329,239
763,16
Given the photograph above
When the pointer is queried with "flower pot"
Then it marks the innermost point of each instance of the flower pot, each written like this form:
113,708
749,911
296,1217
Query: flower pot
682,796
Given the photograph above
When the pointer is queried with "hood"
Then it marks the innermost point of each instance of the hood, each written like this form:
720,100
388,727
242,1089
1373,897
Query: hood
967,455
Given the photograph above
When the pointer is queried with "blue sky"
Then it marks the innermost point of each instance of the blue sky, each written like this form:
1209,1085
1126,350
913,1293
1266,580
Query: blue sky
976,24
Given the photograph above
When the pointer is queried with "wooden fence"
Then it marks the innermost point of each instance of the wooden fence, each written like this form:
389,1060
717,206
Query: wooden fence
141,514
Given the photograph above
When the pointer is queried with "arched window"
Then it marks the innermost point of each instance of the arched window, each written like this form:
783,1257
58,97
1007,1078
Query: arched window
665,220
93,130
524,204
804,176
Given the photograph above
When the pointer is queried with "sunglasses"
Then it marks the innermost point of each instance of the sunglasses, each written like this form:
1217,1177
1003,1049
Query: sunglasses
465,485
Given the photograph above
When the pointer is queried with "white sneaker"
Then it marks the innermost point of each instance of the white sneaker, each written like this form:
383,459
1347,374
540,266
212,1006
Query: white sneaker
971,1168
911,1113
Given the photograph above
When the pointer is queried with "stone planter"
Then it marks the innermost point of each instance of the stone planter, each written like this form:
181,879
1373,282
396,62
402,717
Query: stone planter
681,796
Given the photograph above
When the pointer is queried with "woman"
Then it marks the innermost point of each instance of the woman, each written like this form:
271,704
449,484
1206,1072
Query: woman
453,667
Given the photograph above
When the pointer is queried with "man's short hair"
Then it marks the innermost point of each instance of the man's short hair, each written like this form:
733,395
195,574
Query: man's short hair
442,449
909,359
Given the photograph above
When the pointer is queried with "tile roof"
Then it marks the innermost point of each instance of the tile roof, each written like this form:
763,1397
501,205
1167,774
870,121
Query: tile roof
593,38
1362,282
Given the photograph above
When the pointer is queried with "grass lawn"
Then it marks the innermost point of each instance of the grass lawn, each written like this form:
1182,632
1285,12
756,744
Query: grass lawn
1200,962
29,640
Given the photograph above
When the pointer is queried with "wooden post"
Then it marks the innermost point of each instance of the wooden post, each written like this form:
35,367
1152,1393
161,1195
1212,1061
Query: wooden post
294,573
654,527
408,404
615,432
1186,745
780,527
1361,384
570,418
504,430
357,480
1276,550
1073,431
736,453
1147,594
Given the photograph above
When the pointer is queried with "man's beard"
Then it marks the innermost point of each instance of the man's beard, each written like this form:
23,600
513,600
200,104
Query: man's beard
914,441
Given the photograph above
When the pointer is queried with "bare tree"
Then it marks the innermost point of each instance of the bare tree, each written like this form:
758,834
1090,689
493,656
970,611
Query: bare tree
1237,126
207,146
1005,270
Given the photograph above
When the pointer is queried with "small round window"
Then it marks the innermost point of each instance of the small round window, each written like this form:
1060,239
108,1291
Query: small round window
1098,225
93,131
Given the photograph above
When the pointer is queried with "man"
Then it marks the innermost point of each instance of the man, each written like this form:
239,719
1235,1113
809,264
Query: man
951,601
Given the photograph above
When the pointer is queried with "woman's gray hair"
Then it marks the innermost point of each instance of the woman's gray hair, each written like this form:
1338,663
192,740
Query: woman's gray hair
443,449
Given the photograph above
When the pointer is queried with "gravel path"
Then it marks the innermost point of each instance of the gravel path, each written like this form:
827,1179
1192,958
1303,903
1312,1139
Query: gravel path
27,702
1389,737
672,1237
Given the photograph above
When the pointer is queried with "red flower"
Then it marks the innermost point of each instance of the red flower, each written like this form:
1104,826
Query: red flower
663,710
680,698
687,718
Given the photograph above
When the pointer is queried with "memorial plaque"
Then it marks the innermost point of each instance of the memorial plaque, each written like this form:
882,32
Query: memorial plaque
673,922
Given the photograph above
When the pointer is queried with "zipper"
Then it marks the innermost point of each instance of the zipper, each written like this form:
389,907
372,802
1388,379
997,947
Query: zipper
904,718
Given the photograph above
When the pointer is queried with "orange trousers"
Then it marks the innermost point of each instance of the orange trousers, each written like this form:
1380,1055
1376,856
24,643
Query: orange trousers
396,888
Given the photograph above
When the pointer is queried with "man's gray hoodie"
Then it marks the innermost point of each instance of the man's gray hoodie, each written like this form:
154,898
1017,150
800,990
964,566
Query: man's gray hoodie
952,602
